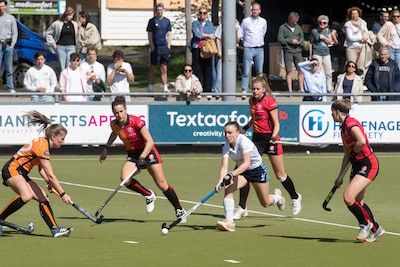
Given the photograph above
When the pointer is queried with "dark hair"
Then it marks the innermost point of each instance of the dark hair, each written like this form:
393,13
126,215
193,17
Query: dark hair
159,5
351,9
85,15
119,100
118,53
38,53
74,56
187,65
233,123
342,105
67,11
3,1
35,117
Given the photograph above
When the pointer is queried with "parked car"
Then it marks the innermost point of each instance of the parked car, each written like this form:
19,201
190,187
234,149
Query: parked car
28,44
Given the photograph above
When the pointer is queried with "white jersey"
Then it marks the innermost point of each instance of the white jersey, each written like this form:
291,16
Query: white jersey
243,145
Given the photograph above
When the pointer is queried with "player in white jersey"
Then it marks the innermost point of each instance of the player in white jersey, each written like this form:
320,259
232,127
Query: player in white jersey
249,168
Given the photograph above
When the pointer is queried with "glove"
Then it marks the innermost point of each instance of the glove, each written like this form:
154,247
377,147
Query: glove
272,140
141,163
228,179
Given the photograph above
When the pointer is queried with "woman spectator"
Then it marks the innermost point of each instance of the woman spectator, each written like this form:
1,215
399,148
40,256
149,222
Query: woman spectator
88,35
187,84
202,29
350,82
63,36
356,37
389,36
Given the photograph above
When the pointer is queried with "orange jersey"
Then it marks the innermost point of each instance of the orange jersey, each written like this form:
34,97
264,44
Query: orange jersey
29,155
130,132
259,111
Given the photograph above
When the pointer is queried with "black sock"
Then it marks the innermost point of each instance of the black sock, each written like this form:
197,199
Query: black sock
134,185
171,195
12,207
47,214
359,212
244,193
371,217
289,186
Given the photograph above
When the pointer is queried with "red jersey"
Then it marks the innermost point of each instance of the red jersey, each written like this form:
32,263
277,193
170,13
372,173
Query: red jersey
130,133
29,155
349,140
259,111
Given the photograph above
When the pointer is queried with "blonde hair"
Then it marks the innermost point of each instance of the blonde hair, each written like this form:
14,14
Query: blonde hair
264,83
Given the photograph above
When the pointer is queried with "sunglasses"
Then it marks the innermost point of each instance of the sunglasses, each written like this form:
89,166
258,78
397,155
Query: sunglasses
75,60
187,70
351,66
202,13
323,22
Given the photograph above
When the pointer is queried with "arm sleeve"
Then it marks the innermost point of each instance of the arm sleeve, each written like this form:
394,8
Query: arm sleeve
28,82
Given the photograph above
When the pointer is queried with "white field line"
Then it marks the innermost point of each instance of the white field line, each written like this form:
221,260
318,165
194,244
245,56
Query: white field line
219,207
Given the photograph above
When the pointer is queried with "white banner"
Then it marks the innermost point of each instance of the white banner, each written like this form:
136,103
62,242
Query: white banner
381,123
86,123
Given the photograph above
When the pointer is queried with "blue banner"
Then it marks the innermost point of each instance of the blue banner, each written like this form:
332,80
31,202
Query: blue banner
203,124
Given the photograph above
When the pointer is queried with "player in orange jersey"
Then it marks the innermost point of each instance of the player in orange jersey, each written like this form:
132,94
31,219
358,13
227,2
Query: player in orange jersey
15,173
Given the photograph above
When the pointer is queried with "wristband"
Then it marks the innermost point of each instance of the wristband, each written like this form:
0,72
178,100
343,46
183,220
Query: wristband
62,194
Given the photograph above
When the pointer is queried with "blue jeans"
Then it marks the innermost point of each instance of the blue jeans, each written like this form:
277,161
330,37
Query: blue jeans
64,51
395,55
251,54
42,98
6,57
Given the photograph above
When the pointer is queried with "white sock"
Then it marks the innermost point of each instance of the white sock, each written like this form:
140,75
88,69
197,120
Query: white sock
282,179
229,206
165,87
277,199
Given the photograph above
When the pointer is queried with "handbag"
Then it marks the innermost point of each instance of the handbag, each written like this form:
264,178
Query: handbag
99,88
208,48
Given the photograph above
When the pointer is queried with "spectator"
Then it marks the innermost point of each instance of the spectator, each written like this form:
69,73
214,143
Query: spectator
350,83
188,85
389,36
202,29
63,36
218,38
73,80
119,75
95,73
253,30
383,17
322,39
88,35
356,38
314,80
383,76
8,39
159,35
291,36
40,78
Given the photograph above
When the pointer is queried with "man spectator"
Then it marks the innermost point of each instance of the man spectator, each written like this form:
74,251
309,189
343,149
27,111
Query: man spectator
95,72
8,39
40,78
159,35
383,17
253,30
119,75
291,36
383,76
73,80
314,80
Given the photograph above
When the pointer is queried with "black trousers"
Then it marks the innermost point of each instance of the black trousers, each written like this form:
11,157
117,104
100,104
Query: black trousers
202,68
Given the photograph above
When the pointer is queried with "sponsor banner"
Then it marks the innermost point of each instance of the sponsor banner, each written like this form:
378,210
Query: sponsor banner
86,124
34,7
204,123
381,126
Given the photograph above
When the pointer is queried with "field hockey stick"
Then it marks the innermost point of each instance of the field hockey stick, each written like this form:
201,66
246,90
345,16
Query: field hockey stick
301,144
115,191
94,219
190,211
28,230
333,190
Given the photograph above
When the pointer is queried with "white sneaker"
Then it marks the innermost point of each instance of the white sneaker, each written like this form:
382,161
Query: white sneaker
373,236
180,213
61,231
150,201
226,226
240,213
166,90
281,204
364,232
296,205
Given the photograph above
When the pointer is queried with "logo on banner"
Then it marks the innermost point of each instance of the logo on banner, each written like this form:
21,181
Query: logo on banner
314,123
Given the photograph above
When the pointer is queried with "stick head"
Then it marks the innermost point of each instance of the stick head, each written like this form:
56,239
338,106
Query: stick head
100,219
324,206
164,229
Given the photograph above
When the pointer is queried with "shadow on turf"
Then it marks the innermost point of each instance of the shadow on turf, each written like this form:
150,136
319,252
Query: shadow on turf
106,220
319,239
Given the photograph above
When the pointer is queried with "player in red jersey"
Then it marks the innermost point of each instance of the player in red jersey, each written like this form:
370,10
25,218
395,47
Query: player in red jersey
142,154
365,168
265,122
15,173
